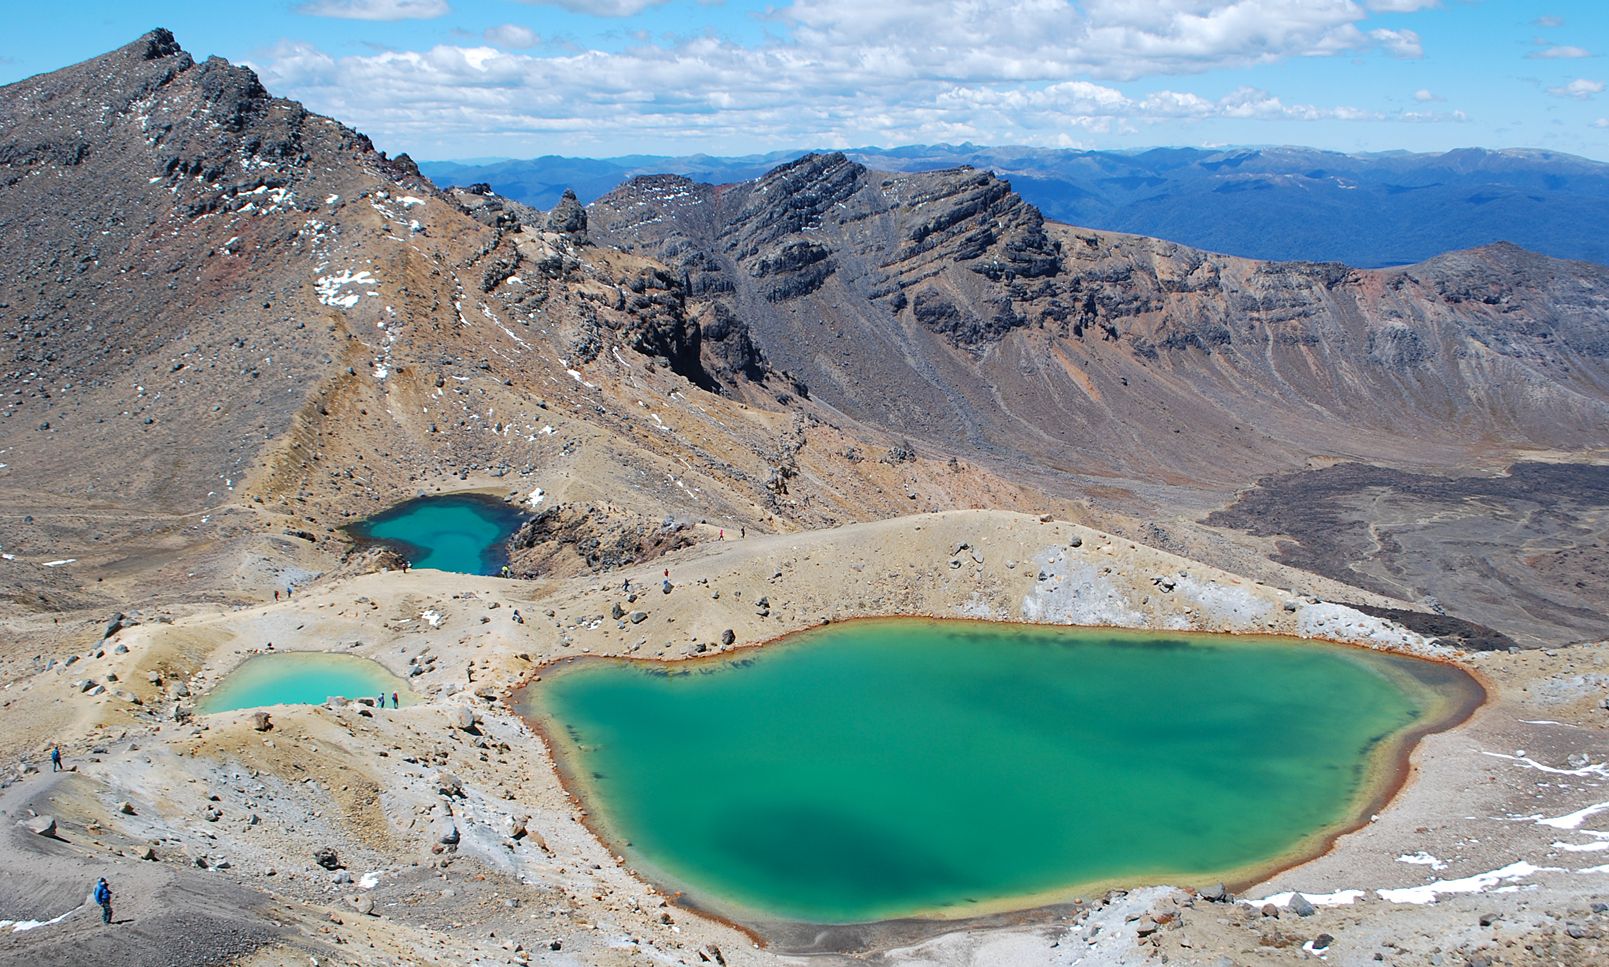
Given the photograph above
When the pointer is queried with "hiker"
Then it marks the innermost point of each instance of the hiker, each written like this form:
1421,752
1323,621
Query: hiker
379,701
506,571
626,588
405,565
103,896
55,758
394,703
519,619
276,594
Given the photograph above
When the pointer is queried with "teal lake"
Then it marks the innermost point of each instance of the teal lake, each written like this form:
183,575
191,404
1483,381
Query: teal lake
302,678
466,533
895,767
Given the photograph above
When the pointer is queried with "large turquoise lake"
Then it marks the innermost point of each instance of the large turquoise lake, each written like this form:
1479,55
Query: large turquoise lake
887,768
467,533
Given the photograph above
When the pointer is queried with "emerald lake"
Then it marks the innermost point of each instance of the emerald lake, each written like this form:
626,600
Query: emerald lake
467,533
302,678
895,767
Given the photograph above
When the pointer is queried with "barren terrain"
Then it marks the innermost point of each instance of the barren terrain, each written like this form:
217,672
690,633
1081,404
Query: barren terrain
231,327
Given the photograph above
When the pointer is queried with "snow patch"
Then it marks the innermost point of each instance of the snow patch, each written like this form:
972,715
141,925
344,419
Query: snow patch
1479,883
1340,898
1422,859
329,287
433,617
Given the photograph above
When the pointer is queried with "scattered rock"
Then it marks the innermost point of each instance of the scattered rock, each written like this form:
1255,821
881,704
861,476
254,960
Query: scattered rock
41,825
1301,905
638,616
462,717
260,721
326,857
126,808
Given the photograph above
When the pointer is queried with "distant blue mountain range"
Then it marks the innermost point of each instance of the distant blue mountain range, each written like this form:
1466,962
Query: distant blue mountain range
1366,210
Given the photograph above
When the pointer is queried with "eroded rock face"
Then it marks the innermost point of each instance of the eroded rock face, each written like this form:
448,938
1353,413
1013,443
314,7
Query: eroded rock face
939,303
580,539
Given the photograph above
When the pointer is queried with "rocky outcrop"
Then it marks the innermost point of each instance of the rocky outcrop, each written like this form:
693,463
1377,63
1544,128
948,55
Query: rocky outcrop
569,539
568,217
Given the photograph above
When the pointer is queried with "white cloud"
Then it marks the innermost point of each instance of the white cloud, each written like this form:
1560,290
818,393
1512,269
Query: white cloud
1580,88
1399,43
375,9
1601,123
1423,94
840,72
599,8
1562,52
1549,21
512,37
1401,6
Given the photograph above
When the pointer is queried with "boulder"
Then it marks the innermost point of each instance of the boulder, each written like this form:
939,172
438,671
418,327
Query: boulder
1215,894
114,624
126,808
637,617
462,717
616,611
260,721
444,831
41,825
326,857
363,905
728,636
128,696
1301,905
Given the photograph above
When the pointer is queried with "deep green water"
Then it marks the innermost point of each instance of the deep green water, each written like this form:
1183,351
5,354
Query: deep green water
302,678
876,769
467,533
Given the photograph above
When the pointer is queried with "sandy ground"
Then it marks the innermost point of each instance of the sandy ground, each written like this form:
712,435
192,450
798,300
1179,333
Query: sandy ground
458,845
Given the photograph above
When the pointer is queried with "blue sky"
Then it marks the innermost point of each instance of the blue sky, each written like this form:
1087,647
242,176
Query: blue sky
447,79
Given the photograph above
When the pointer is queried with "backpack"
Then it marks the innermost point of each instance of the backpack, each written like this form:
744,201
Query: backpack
102,893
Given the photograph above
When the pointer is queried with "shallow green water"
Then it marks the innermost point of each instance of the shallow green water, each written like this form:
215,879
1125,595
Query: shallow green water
876,769
467,533
302,678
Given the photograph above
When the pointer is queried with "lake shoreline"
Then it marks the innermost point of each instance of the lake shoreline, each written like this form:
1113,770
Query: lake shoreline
1387,773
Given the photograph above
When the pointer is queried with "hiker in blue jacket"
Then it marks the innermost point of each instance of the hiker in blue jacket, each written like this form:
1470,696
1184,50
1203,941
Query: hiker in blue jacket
103,896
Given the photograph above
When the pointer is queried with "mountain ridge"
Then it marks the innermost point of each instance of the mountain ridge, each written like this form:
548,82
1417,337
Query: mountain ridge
1282,203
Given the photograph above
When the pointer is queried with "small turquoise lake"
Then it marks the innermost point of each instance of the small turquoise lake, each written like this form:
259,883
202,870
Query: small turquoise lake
466,533
889,768
302,678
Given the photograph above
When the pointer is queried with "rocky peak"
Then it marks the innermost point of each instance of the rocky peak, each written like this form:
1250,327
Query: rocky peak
568,217
795,197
